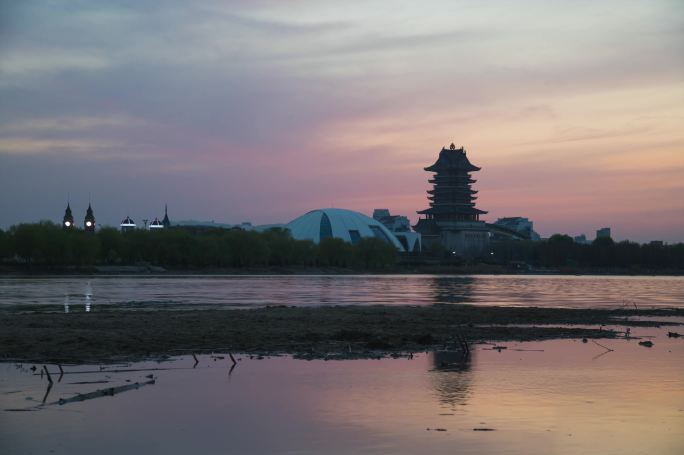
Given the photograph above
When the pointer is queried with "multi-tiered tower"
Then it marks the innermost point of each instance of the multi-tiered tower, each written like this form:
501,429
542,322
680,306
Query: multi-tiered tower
452,220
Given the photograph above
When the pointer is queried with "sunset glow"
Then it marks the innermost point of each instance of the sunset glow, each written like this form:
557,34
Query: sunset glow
262,110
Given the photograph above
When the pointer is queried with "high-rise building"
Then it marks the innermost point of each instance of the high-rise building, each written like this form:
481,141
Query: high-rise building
89,221
603,233
452,220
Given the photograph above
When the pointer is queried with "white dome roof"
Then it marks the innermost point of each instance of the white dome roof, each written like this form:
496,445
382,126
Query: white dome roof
343,224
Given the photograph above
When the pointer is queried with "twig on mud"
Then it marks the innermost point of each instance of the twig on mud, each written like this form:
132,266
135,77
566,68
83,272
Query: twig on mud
47,392
103,392
48,374
604,347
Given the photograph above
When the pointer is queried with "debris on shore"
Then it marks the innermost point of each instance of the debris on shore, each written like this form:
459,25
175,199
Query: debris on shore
121,332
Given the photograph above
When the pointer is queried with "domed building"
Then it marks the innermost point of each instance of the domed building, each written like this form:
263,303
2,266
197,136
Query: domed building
347,225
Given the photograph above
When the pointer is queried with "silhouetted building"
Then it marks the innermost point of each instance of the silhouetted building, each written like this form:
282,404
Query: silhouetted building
452,220
156,224
89,221
166,222
400,226
127,224
68,220
342,224
519,224
603,232
581,239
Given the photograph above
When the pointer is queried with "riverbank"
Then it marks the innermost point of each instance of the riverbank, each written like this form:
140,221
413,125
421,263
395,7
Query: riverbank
444,269
126,332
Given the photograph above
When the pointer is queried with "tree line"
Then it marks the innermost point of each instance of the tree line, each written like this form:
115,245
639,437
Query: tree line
49,245
46,244
562,251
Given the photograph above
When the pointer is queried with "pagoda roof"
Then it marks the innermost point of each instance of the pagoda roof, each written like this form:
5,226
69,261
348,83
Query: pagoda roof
452,159
467,210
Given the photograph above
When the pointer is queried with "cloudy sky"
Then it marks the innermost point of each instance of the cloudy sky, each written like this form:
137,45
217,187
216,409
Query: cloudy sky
262,110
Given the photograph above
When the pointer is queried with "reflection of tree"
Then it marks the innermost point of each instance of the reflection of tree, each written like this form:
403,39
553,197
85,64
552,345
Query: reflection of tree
455,289
451,377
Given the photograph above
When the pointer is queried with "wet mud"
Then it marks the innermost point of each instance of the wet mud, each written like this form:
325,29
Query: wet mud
121,332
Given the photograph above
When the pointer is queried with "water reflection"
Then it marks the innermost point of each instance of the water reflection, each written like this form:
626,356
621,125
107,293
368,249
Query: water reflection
88,297
451,377
66,303
452,289
253,291
540,398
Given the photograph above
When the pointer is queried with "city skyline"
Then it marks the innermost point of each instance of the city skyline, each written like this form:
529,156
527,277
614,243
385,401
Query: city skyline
261,111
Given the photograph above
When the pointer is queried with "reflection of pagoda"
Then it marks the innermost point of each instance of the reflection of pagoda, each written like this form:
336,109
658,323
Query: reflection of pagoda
452,220
452,377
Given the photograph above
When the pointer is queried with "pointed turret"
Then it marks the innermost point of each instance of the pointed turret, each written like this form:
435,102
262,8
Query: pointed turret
89,221
68,220
165,222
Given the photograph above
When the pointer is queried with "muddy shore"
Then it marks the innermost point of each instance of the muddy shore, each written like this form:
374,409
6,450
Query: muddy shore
118,332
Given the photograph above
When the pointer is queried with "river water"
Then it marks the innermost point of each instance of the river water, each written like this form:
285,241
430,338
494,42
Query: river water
552,397
304,290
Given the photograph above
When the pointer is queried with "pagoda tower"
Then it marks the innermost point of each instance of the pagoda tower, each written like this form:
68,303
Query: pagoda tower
452,220
89,222
68,220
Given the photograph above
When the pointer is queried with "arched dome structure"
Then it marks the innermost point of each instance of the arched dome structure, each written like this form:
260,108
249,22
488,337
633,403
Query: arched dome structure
347,225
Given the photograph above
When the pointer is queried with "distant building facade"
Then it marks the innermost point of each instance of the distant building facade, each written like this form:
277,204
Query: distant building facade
581,239
342,224
519,224
400,226
452,221
603,233
127,224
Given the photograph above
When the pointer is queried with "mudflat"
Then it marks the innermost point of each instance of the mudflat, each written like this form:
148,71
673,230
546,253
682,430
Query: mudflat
124,332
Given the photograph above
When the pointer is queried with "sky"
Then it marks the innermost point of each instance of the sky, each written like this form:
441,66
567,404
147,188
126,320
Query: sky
262,110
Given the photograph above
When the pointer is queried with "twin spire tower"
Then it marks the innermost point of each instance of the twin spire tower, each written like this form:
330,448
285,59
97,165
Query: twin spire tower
88,221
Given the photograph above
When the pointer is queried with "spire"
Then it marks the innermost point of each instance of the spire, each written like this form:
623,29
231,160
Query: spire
68,220
166,222
89,221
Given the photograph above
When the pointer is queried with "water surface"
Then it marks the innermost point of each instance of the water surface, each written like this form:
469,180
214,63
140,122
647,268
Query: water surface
304,290
553,397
